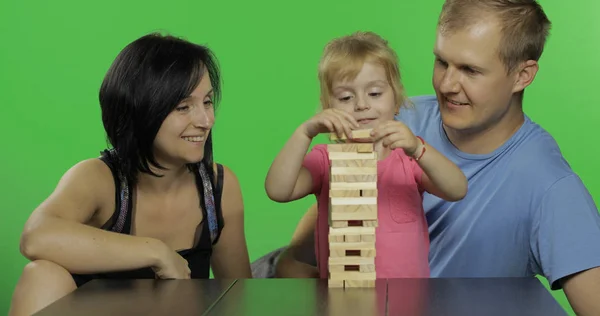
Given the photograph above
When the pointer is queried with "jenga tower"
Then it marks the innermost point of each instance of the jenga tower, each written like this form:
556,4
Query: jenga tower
352,212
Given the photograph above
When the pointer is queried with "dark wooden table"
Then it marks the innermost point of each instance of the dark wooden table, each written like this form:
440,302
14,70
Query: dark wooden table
489,297
502,296
140,297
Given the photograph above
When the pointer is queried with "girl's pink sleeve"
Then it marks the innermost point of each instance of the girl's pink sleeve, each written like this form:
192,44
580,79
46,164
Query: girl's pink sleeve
418,174
317,163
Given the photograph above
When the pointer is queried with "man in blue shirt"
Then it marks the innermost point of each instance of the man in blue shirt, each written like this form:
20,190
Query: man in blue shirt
526,212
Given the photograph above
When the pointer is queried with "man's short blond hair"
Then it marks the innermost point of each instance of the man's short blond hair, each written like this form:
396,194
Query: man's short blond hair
524,25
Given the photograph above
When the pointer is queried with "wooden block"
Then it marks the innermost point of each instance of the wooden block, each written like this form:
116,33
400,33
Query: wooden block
351,261
333,253
353,246
366,238
344,267
352,249
354,216
335,283
341,253
351,234
354,201
352,230
336,238
337,224
352,275
352,193
349,212
352,156
344,193
361,133
352,238
368,193
336,268
352,148
353,170
352,223
353,185
333,238
359,283
356,134
368,252
367,268
353,178
351,268
369,223
354,163
359,208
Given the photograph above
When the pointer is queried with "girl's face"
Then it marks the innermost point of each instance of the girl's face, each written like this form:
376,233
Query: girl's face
369,97
183,133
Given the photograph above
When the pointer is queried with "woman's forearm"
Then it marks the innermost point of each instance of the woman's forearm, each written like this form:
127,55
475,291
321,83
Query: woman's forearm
84,249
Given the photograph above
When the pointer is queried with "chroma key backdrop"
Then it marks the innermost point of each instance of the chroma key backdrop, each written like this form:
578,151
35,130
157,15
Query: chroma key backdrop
54,56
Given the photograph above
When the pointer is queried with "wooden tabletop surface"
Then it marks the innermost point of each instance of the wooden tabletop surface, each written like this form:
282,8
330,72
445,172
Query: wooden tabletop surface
489,297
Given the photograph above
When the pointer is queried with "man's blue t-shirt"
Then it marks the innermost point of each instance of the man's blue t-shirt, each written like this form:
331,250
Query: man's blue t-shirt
526,212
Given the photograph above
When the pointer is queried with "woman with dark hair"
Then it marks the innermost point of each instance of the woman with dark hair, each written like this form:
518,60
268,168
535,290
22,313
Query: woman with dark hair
155,205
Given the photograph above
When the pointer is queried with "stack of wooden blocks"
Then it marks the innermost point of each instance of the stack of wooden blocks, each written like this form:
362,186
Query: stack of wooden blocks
352,211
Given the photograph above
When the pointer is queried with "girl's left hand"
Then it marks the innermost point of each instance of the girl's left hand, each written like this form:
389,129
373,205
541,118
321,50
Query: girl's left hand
394,134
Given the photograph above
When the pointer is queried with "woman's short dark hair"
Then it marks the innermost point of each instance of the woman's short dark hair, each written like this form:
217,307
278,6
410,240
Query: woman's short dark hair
146,81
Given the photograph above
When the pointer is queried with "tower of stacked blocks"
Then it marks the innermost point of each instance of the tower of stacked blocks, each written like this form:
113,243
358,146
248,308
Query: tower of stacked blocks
352,211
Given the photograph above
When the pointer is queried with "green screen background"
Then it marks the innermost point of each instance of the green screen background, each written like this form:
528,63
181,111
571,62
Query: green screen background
54,55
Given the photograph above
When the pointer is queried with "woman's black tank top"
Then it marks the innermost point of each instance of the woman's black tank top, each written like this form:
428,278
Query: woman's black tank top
198,257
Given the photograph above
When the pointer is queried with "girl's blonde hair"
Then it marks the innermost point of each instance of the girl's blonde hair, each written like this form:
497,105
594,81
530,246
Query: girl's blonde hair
343,58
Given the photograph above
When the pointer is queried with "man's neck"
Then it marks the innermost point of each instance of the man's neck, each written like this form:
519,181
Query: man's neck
490,138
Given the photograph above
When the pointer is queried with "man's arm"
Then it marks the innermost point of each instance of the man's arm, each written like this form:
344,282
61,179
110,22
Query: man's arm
566,243
582,291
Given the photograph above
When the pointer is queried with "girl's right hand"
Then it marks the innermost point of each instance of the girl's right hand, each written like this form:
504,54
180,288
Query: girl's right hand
331,121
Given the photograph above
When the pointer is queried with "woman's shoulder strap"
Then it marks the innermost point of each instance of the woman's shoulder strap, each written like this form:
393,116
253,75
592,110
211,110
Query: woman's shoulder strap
212,201
122,190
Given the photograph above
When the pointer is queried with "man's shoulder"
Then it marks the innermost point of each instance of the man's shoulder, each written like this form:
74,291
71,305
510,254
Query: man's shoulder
535,158
421,104
425,99
536,145
420,113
